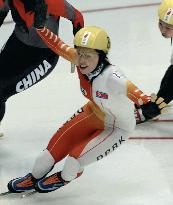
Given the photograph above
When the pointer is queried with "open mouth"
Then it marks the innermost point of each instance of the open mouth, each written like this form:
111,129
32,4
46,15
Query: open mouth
83,67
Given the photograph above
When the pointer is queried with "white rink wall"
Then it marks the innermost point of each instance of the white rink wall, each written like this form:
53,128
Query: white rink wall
93,4
97,4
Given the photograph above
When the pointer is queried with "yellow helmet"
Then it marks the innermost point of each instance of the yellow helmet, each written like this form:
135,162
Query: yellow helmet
165,11
92,37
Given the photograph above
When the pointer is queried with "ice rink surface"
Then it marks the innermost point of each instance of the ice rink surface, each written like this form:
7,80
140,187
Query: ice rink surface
138,173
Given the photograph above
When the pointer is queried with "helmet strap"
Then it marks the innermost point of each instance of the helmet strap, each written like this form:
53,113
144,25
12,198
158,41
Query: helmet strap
102,64
91,76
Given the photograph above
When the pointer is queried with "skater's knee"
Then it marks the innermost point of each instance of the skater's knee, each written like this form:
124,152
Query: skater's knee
72,169
43,164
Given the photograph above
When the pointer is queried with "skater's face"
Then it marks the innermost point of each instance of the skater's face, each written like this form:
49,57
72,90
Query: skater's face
166,29
87,59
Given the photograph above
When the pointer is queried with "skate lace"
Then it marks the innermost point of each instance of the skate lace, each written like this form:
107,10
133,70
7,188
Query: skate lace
27,182
51,180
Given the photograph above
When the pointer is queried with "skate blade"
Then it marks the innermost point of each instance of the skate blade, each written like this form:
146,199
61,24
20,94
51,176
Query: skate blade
6,193
27,194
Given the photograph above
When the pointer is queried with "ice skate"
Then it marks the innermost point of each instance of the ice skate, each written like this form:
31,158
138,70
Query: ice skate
22,184
50,183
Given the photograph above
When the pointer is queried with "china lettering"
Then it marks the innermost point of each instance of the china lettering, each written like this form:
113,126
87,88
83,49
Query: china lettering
33,77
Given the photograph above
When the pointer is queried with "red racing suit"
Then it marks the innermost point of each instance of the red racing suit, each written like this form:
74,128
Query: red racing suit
25,59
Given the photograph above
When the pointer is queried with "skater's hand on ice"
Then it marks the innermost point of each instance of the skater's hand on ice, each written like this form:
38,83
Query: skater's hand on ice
154,107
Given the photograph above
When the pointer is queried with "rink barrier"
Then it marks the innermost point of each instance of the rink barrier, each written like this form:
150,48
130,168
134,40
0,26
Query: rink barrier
154,137
150,138
165,120
119,7
108,9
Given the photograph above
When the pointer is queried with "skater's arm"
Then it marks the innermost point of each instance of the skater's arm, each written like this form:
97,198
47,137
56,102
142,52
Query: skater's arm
64,9
119,84
148,107
57,45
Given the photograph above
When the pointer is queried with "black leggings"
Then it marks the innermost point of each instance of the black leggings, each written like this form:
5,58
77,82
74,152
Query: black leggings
22,66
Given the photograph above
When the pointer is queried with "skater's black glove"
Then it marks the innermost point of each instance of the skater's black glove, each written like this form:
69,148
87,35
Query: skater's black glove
151,109
78,22
76,28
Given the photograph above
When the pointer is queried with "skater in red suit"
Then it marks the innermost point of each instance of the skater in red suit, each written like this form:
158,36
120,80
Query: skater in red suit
25,59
